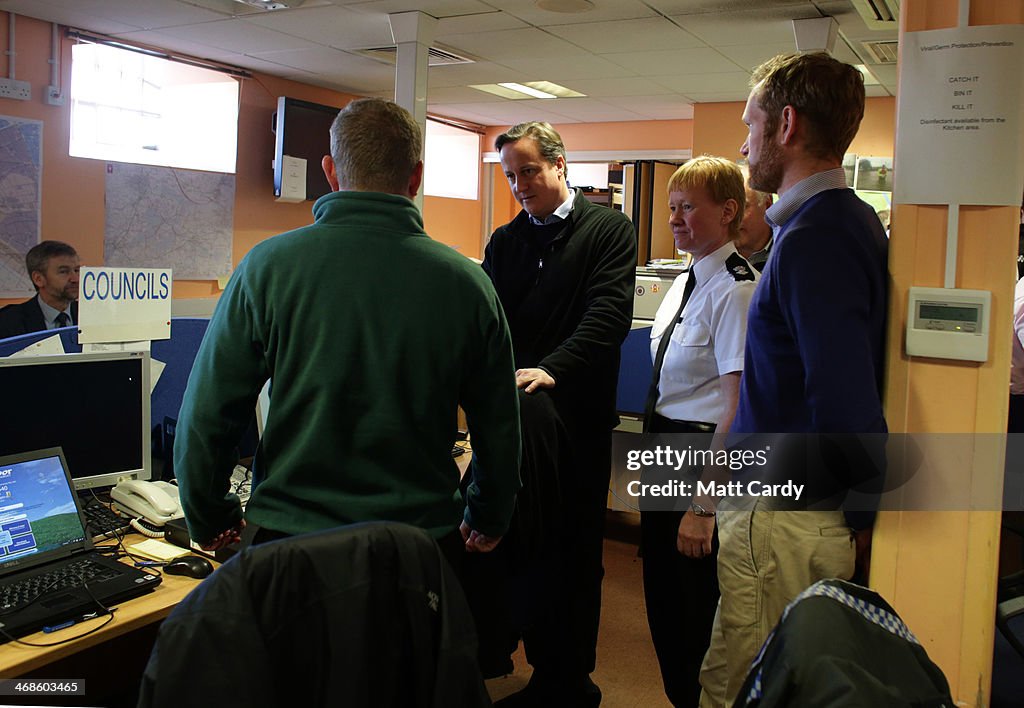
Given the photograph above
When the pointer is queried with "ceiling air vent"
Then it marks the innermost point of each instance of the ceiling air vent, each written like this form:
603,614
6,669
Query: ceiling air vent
435,56
878,14
881,52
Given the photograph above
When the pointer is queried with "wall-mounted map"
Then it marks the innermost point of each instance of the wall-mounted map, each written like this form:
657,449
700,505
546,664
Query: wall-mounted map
162,217
21,164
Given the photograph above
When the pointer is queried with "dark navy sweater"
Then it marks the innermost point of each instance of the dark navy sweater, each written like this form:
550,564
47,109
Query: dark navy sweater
816,334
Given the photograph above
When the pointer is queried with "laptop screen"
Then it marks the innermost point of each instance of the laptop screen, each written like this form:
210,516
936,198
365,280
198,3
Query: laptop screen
39,516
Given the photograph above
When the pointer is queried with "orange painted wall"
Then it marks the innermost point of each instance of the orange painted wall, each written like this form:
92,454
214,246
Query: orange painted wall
73,188
718,128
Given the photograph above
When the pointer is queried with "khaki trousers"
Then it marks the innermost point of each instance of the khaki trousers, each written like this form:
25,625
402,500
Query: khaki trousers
766,558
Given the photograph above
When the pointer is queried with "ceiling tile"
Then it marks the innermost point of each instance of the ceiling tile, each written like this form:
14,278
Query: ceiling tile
672,62
319,60
460,94
772,25
65,14
603,10
454,111
750,56
705,83
144,14
239,36
567,70
875,91
261,65
672,7
329,26
593,110
720,97
171,43
434,8
643,35
477,73
514,44
669,107
624,87
511,112
477,22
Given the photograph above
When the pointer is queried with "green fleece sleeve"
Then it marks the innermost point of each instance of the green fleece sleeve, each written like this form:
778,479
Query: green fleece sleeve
218,404
491,404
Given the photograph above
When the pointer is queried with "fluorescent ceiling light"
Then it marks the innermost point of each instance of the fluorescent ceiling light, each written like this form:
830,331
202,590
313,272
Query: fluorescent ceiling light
869,78
527,89
272,4
567,6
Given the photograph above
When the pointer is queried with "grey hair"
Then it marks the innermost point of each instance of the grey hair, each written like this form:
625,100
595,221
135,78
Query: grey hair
38,257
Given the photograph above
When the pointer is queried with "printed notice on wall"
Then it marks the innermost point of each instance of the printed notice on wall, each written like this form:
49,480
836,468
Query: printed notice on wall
959,137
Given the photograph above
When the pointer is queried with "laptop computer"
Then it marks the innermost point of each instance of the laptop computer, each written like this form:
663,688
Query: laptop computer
49,572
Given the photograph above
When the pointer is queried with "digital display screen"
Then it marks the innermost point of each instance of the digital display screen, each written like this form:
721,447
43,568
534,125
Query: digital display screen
951,313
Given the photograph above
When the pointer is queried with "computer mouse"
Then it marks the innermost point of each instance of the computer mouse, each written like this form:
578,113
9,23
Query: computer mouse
192,566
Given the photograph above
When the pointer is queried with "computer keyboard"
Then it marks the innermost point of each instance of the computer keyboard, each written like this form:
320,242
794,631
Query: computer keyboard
102,521
75,573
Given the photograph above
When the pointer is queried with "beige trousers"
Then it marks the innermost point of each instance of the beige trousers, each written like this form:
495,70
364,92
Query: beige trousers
765,559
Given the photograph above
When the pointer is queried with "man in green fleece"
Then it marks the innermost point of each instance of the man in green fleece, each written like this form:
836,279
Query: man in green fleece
373,335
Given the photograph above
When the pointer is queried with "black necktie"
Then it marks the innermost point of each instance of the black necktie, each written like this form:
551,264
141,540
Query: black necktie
652,392
62,319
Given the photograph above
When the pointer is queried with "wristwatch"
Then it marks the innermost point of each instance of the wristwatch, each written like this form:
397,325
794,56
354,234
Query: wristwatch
699,510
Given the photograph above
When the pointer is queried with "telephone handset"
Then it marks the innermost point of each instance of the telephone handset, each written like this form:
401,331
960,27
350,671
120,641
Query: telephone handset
156,502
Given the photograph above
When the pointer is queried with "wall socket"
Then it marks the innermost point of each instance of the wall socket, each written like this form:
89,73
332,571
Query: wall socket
19,90
53,96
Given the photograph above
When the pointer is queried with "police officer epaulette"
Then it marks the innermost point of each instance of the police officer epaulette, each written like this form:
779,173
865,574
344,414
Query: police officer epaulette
738,268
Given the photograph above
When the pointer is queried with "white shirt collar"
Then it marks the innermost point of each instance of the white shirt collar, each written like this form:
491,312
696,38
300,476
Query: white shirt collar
712,263
559,214
50,313
783,210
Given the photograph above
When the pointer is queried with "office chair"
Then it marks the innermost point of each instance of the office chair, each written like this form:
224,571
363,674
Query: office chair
840,645
363,615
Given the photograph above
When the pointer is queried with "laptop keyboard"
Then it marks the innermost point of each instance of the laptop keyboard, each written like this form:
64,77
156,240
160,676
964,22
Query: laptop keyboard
71,574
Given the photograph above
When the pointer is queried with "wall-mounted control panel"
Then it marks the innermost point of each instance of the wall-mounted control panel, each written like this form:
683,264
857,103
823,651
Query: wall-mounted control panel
948,323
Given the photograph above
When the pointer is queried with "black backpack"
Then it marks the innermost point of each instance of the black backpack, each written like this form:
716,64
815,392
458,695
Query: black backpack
840,645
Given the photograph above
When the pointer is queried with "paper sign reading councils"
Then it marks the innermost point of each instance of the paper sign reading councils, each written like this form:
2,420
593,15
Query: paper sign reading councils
124,304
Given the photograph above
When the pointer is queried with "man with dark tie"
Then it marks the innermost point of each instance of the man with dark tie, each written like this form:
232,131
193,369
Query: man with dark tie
53,267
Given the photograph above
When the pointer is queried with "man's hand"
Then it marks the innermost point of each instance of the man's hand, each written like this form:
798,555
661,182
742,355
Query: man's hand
533,379
477,542
694,537
225,538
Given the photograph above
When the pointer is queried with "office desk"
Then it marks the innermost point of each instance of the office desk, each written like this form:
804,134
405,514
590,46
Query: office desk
140,615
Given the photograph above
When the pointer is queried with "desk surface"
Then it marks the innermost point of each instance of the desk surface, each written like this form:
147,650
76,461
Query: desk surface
17,660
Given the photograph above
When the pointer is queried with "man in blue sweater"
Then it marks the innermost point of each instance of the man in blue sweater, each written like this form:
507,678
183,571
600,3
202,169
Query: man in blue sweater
814,353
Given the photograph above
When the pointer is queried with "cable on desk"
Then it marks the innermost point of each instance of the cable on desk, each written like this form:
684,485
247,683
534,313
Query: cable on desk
104,610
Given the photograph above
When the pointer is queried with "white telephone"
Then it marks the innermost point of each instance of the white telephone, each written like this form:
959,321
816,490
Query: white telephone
156,502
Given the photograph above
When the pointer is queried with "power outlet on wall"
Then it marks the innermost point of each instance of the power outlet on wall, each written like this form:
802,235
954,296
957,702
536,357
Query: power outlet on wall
19,90
53,96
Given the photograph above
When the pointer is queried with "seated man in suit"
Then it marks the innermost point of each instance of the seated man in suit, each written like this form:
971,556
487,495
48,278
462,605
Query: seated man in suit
53,267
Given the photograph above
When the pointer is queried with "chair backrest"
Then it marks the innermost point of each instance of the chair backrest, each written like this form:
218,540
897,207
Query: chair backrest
363,615
840,644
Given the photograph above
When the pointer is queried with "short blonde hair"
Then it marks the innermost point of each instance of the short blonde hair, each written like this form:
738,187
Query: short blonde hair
722,178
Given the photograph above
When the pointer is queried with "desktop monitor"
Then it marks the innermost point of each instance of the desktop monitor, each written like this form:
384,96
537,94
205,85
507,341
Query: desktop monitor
94,406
